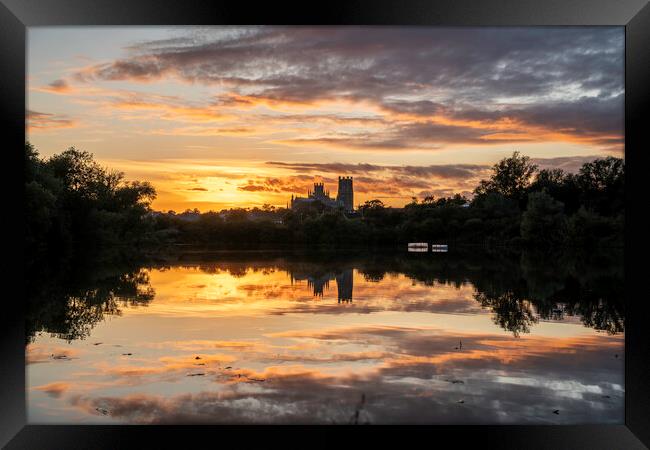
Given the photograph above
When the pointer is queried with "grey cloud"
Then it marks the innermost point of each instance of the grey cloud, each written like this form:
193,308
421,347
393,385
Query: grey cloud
328,167
295,183
398,181
418,135
570,164
596,117
469,70
459,171
59,85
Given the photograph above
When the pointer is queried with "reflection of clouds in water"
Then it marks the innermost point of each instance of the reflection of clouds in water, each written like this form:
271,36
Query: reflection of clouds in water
47,353
165,368
242,345
54,389
279,292
307,397
198,344
419,378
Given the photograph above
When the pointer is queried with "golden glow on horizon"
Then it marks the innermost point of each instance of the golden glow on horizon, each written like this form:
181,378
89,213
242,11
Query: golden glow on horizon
225,131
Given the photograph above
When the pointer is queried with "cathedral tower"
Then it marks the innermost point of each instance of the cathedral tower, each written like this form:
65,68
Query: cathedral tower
345,195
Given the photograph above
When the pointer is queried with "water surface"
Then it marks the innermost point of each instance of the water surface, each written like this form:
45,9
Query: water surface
273,338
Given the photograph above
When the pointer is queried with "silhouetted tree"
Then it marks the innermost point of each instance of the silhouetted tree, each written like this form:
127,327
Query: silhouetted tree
510,178
543,222
75,205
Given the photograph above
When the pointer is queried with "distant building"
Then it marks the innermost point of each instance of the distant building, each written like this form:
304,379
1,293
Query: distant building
345,195
344,198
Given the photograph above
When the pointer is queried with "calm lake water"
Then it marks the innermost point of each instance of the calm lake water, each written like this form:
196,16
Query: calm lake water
273,338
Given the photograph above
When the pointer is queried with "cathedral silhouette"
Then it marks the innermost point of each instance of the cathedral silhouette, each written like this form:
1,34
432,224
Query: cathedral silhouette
344,197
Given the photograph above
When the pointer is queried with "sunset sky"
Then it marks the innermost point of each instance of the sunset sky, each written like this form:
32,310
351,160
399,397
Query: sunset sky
217,117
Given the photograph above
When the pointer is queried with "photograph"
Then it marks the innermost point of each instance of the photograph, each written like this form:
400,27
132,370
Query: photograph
325,225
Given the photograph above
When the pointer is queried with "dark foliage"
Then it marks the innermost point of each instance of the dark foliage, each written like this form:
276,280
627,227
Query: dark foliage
517,205
75,206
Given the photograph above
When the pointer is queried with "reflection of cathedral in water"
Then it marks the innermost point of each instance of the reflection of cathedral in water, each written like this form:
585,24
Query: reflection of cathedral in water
344,285
320,282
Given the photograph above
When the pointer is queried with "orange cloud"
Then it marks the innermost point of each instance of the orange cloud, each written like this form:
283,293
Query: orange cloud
37,121
169,111
59,86
205,131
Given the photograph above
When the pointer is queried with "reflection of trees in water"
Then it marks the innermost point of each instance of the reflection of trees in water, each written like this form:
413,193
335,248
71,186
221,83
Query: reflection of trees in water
518,288
522,287
515,313
511,312
374,276
554,285
589,286
70,307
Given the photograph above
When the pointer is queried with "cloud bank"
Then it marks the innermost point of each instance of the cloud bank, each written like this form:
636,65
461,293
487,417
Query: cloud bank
431,86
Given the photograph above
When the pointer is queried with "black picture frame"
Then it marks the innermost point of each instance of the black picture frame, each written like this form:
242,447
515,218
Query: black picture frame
634,15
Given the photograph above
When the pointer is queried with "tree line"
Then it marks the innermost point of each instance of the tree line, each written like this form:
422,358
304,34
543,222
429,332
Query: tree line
517,205
75,206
